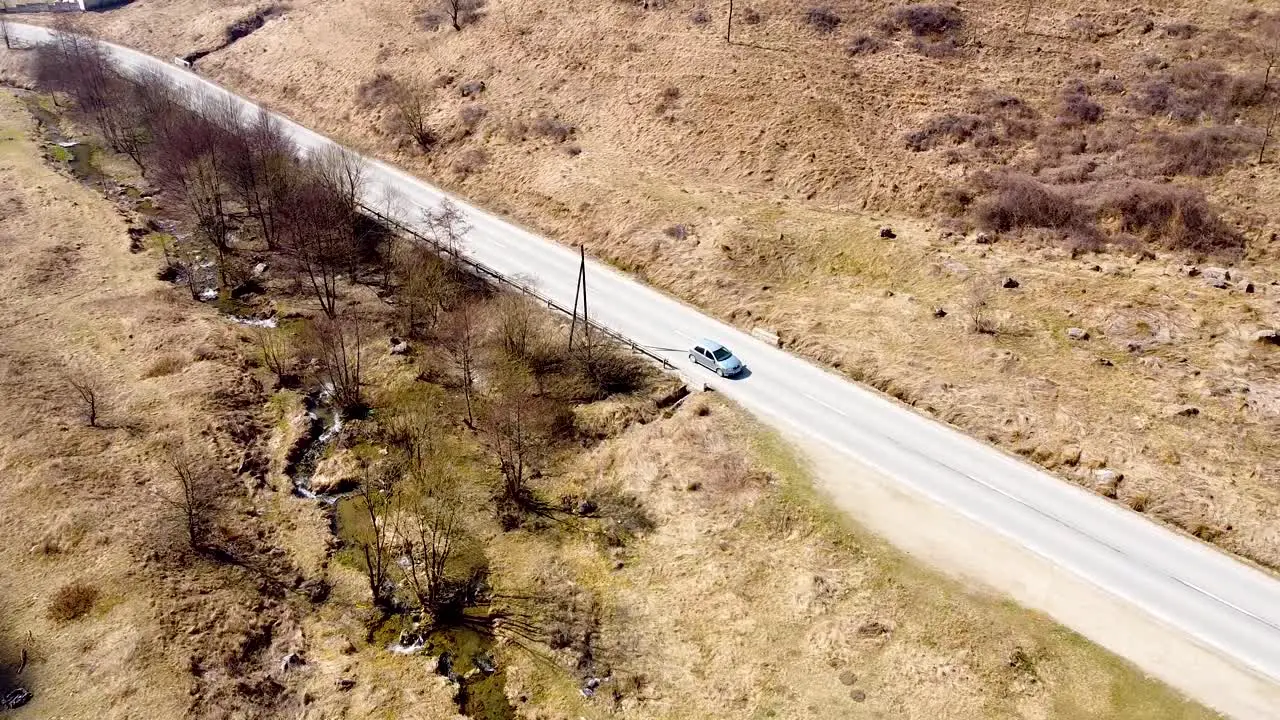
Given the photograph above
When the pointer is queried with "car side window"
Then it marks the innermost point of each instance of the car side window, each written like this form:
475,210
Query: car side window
698,349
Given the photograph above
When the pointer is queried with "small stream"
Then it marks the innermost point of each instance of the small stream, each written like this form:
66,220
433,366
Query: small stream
325,424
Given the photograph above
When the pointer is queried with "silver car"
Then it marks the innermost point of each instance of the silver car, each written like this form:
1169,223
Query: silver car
714,356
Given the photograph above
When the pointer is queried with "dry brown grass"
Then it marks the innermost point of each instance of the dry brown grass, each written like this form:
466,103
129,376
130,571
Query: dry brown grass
747,598
790,154
72,601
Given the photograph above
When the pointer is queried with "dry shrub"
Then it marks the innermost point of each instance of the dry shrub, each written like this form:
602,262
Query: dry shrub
470,161
1078,107
958,128
751,16
72,601
925,20
1018,201
471,115
864,45
1180,30
553,128
994,120
166,365
1201,152
822,19
936,49
612,370
1178,218
1198,88
700,16
377,90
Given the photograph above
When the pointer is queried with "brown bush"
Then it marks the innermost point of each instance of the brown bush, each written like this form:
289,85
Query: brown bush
1198,88
958,128
822,19
1201,152
72,601
471,116
700,16
1077,107
925,20
377,90
1175,217
553,128
996,119
1180,30
864,45
1018,201
936,49
470,162
751,16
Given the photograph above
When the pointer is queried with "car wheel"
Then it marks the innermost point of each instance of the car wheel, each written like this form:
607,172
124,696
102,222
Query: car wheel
720,371
695,362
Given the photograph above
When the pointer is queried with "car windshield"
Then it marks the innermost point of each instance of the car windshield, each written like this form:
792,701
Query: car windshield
721,354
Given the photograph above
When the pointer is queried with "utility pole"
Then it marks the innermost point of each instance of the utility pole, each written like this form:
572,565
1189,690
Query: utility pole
728,29
581,291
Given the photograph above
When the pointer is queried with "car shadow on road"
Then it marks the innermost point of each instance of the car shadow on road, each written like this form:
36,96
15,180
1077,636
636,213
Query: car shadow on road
743,375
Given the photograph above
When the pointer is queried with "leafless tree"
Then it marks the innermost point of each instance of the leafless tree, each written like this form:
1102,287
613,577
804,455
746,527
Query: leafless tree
195,499
274,352
459,13
447,225
88,387
191,157
979,311
4,27
462,343
338,344
517,429
377,500
342,173
412,113
259,170
1270,128
318,236
1269,44
425,286
518,325
430,536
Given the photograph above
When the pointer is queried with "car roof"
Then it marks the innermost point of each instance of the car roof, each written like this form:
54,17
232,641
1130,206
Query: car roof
711,345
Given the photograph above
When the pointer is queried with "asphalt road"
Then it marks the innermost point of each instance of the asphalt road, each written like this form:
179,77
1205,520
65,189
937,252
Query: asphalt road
1189,586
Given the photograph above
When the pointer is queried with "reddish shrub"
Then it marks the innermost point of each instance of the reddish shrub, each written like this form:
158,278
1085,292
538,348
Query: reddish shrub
1178,218
1199,88
554,128
864,45
925,20
822,19
1077,107
1201,152
1019,201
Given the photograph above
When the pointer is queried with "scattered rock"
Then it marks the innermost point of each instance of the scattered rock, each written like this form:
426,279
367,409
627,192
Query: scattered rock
1183,411
345,684
983,238
291,661
1268,337
1214,274
1076,333
484,664
470,88
260,269
1107,482
848,678
586,507
858,695
1105,362
399,346
1009,283
954,267
768,336
872,629
887,233
938,312
694,486
589,687
1246,287
348,648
